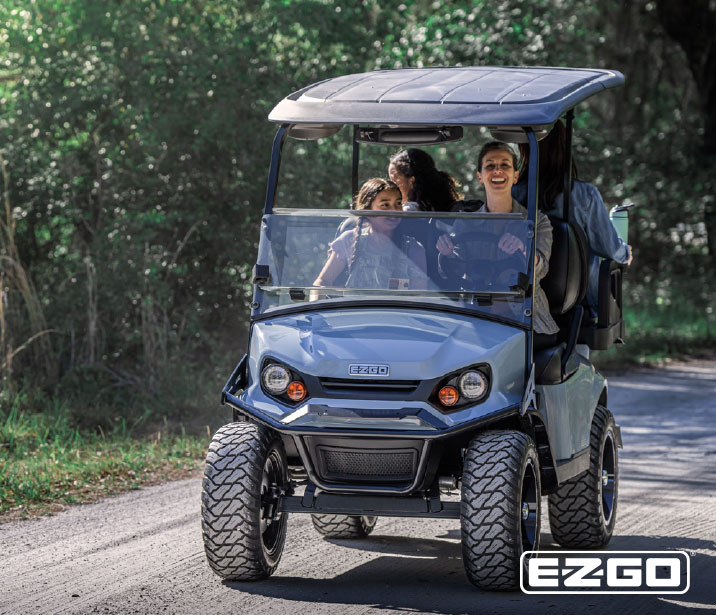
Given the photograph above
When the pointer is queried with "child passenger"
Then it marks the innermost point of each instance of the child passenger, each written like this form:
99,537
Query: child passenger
376,254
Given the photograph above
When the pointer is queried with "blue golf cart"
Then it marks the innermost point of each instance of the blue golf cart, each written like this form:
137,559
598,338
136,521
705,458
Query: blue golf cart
388,398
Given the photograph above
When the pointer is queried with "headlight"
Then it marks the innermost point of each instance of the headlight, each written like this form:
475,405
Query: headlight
472,384
276,379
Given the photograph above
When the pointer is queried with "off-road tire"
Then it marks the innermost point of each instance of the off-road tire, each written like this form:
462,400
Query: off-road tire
344,526
577,514
499,468
242,459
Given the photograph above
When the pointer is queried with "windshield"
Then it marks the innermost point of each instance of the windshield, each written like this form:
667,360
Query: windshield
477,261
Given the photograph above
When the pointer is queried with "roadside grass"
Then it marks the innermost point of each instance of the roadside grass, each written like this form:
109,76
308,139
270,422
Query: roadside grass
660,333
47,462
61,450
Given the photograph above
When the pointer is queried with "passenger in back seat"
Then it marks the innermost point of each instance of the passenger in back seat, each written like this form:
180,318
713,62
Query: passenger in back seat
588,208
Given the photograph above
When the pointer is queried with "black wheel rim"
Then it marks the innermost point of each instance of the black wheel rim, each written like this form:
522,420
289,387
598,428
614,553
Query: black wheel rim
607,479
529,508
271,522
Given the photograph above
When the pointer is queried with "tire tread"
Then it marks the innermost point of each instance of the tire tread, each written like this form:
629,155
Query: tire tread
230,502
575,517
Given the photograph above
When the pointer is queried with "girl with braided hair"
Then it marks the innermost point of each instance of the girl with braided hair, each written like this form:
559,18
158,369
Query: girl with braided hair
375,253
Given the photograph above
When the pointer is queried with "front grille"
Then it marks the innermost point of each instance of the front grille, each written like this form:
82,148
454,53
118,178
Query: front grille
389,464
341,386
353,461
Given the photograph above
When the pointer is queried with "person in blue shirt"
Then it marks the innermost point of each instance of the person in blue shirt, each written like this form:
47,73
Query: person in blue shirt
588,209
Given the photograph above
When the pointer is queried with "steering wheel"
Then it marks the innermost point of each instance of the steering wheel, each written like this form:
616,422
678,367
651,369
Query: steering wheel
468,270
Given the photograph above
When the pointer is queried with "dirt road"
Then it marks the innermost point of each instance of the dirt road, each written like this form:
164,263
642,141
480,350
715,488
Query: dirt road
142,552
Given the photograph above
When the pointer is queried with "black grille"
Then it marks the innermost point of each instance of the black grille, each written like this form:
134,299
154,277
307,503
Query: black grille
381,387
381,465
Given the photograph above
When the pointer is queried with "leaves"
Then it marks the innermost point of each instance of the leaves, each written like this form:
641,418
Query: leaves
137,145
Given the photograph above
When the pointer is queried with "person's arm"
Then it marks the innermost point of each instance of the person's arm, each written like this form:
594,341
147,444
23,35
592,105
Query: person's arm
543,249
601,234
333,267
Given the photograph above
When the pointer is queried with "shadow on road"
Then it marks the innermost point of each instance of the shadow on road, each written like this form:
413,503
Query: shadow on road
427,576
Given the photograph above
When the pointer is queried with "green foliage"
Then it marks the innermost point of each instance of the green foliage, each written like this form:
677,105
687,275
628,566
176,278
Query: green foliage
136,140
662,330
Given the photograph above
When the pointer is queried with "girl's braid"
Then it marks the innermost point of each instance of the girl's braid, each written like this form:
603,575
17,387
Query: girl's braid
359,227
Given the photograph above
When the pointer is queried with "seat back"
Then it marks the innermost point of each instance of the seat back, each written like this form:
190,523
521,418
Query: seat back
609,327
566,282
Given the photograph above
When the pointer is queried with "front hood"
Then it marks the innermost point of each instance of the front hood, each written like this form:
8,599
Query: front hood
414,344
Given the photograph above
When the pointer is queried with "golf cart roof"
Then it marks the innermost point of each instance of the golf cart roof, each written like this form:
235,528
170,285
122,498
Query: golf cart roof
470,95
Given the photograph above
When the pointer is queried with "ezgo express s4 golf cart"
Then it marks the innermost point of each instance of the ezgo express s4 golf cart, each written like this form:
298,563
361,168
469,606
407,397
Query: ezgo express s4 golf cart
360,401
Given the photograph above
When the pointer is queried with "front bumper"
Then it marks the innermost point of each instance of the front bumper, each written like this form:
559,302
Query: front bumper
432,427
347,458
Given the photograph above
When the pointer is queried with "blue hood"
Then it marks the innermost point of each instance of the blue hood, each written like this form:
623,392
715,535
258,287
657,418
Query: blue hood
416,344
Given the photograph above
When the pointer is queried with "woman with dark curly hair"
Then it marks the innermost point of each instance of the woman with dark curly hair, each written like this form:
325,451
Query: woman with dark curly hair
422,186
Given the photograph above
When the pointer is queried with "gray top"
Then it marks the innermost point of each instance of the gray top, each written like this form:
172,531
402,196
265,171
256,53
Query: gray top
591,215
481,95
378,261
543,321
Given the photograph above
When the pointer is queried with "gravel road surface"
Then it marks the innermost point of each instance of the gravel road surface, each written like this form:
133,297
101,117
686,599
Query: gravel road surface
142,552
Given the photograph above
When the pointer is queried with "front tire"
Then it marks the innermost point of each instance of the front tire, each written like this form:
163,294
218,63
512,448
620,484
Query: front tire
344,526
500,507
245,476
583,510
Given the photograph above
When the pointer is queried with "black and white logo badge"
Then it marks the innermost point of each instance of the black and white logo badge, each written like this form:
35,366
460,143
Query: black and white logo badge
613,572
368,369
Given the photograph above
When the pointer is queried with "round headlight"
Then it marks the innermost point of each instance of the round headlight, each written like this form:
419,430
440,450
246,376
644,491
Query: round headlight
473,384
275,379
448,396
296,391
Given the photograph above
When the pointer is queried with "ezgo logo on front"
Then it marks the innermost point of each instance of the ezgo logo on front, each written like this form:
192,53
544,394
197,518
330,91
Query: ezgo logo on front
612,572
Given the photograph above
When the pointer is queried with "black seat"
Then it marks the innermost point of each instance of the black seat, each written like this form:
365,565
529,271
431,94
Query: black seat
566,282
565,286
608,328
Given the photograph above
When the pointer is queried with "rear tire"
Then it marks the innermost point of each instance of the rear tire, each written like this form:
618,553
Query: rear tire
583,510
500,507
245,476
344,526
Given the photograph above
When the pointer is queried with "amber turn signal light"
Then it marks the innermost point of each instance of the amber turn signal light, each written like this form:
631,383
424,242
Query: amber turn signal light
448,396
296,391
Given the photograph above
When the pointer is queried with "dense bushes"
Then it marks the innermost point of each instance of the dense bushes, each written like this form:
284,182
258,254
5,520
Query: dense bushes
135,143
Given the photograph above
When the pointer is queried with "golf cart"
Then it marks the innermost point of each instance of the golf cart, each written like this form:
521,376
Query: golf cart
356,402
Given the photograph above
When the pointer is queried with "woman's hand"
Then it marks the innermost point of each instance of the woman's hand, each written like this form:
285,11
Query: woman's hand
511,244
445,246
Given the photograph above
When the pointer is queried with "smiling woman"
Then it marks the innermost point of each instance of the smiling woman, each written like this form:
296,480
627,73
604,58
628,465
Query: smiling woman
497,171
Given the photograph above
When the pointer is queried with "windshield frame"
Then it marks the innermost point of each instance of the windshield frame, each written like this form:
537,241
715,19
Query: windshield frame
474,299
527,132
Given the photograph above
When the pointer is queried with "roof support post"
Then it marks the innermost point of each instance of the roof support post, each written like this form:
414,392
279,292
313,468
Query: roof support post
532,175
356,159
532,202
567,190
272,184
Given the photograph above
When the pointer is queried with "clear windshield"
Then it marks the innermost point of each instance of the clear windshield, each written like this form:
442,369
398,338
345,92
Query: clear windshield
476,260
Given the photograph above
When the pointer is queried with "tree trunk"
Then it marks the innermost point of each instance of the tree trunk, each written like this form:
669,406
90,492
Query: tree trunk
692,24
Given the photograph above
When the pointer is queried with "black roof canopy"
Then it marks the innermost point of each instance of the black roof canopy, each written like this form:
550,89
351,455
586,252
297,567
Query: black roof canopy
479,95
